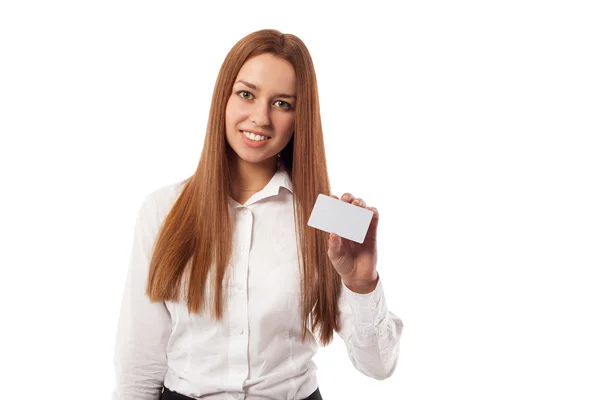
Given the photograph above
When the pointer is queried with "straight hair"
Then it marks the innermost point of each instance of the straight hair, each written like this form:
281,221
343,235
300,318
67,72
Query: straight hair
195,240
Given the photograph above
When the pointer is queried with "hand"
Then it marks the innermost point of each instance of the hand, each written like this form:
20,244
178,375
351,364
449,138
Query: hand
356,262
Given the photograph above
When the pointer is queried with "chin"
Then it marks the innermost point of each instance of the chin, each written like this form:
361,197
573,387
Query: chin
248,156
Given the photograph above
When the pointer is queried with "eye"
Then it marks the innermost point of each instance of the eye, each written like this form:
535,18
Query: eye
284,105
244,94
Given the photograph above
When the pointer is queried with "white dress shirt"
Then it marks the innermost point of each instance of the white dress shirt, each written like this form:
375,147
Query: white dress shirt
255,351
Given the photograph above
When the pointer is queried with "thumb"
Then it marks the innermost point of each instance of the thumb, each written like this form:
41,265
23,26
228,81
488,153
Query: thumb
335,246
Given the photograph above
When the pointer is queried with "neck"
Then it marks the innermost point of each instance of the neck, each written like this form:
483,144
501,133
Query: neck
248,178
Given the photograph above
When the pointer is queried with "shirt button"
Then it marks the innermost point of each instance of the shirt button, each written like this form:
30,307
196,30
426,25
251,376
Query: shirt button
235,396
374,305
241,247
241,331
239,287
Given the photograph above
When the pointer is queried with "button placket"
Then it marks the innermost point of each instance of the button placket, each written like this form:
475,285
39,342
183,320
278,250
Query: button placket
238,308
374,304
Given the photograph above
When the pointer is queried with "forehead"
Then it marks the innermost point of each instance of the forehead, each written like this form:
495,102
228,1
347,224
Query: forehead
269,73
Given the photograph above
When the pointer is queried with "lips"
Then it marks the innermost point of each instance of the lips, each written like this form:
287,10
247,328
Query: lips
255,144
255,132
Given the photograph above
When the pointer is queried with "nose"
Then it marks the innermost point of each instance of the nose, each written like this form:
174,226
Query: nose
260,114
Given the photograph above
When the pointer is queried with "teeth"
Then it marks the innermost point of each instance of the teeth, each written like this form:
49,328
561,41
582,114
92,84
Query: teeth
252,136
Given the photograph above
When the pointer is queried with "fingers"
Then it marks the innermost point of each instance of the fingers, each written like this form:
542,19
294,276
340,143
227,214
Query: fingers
375,212
349,198
357,201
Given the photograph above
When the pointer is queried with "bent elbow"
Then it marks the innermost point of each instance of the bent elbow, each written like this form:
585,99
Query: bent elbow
382,375
384,370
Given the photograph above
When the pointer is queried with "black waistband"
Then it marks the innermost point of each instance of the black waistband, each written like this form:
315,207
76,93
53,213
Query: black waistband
170,395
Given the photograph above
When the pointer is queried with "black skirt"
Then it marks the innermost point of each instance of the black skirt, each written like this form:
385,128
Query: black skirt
170,395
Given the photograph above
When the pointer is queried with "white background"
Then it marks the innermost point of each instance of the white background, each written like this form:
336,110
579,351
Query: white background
472,126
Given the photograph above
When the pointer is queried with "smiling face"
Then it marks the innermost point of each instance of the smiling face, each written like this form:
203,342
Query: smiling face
262,102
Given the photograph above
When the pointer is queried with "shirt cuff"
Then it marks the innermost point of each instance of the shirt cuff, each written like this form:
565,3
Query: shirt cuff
369,310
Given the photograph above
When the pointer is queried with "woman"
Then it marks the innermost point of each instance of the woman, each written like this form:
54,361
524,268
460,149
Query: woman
228,288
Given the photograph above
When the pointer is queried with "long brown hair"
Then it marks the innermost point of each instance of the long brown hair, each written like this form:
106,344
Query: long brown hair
196,237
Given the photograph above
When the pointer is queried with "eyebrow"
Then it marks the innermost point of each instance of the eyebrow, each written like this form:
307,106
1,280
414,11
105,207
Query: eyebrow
253,86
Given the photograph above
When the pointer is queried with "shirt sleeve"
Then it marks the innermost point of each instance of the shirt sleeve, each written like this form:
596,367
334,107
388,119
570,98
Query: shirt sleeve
143,327
370,331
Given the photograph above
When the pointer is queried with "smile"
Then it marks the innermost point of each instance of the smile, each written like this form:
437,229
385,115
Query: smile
252,140
253,136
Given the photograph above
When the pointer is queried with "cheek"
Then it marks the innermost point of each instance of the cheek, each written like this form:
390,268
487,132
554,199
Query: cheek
233,112
285,122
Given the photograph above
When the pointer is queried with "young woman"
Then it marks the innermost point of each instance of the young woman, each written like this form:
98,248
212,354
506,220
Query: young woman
228,289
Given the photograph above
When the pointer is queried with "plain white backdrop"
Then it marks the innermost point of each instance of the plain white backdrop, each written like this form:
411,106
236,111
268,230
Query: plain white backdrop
472,126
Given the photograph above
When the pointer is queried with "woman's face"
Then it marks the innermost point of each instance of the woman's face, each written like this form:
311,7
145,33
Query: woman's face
263,102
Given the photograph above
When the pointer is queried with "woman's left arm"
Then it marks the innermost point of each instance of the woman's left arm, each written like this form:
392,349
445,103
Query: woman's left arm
370,331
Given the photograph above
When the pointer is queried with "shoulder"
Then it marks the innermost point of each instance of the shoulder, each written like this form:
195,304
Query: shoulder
166,195
159,201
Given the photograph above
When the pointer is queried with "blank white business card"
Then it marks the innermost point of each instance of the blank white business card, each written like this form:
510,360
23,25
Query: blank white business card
347,220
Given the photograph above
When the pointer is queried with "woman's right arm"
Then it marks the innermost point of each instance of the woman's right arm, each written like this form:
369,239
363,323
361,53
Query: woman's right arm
144,328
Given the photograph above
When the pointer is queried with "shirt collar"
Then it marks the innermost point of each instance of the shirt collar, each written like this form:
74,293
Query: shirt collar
279,180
